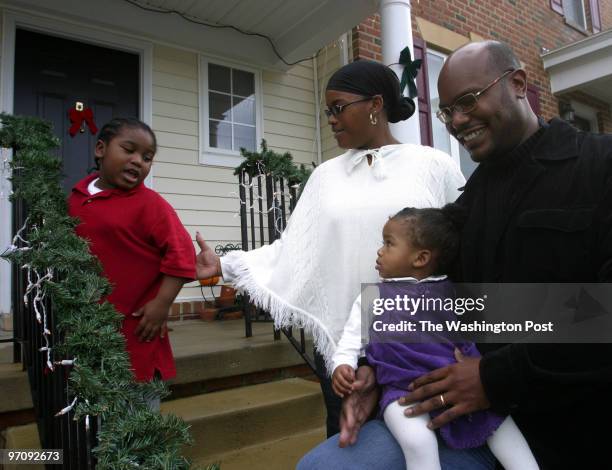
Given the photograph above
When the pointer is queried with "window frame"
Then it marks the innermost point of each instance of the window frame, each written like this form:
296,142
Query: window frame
572,23
212,155
455,146
454,143
595,11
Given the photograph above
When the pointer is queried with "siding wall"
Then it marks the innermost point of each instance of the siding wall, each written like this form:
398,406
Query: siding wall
289,112
205,196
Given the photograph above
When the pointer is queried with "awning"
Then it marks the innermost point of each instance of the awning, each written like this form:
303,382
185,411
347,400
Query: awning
584,65
298,28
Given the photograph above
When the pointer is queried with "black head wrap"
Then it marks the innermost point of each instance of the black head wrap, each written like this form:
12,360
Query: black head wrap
369,78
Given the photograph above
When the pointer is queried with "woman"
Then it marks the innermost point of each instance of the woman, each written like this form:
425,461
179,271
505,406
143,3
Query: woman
311,276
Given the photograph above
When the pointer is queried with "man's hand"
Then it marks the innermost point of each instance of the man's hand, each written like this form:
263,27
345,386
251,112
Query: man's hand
456,387
342,379
358,406
154,315
207,262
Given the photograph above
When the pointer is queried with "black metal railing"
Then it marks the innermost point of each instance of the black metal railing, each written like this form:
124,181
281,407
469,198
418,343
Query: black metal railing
49,388
266,203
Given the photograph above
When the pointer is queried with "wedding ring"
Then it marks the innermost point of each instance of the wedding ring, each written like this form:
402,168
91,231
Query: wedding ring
442,399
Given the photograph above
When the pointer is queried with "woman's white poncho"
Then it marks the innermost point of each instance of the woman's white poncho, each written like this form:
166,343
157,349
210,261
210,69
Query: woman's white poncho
311,276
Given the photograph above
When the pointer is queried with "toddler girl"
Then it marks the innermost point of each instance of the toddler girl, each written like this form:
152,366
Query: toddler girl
419,248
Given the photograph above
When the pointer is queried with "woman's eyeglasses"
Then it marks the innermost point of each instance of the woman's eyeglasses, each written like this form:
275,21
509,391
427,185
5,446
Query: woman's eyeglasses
336,109
466,103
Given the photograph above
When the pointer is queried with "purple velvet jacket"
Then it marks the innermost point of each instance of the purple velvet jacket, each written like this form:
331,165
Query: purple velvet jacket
401,357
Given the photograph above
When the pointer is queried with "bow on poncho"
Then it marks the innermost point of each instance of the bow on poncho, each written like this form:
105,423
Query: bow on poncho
378,166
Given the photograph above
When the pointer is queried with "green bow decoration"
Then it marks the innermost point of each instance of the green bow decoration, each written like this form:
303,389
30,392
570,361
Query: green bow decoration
411,70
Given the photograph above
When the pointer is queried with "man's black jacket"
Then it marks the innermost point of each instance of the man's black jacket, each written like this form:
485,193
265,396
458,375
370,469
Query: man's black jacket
556,226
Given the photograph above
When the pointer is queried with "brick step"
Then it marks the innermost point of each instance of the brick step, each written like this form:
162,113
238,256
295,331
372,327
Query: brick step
231,420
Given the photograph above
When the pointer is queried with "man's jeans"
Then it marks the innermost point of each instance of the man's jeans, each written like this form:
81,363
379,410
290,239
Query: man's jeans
376,448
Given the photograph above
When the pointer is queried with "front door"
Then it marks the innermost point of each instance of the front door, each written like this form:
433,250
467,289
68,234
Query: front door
52,74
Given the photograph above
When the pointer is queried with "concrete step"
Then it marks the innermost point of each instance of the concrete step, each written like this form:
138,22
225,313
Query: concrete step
205,351
21,437
280,454
15,388
273,423
227,421
6,351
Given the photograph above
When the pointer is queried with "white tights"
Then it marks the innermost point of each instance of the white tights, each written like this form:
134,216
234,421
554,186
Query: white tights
420,445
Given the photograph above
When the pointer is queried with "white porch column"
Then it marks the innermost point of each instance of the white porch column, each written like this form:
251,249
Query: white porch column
396,33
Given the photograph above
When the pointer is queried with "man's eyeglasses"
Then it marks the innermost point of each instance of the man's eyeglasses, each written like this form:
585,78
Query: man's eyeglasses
467,103
336,109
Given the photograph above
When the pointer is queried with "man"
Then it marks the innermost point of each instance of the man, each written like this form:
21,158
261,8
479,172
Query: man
539,210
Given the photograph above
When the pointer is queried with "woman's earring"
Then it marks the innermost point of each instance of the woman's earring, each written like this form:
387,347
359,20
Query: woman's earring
373,118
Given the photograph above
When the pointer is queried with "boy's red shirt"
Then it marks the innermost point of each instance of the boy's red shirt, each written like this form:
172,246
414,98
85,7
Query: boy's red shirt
138,238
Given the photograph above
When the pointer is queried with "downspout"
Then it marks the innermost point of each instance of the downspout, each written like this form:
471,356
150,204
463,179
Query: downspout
315,75
396,33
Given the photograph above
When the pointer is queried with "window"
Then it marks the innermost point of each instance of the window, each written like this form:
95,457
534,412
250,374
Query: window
585,117
574,13
582,124
442,140
230,112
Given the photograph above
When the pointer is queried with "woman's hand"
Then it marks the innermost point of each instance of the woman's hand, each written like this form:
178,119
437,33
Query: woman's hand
208,263
456,387
358,406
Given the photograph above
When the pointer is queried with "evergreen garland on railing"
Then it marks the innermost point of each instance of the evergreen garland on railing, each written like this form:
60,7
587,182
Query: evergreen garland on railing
275,164
100,381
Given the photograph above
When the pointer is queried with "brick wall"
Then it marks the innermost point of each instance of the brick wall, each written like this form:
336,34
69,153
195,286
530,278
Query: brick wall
605,11
366,39
187,310
207,310
527,26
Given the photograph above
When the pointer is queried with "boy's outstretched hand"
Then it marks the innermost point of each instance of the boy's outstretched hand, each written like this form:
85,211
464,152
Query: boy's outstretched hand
342,380
207,262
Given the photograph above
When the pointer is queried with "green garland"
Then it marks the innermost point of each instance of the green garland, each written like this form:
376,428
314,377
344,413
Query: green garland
131,435
276,164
